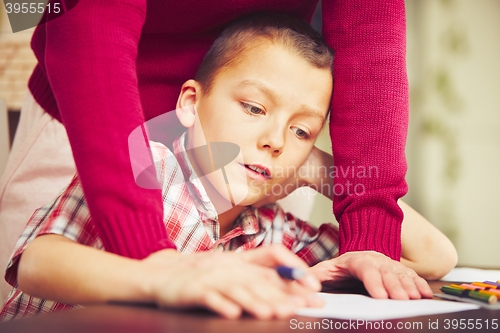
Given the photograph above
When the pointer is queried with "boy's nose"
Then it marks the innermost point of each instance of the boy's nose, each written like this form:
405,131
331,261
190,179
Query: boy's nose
275,151
274,141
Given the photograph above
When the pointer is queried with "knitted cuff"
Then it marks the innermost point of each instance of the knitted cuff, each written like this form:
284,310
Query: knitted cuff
370,230
133,235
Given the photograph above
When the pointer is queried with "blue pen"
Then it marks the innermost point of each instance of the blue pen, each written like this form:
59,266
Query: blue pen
290,273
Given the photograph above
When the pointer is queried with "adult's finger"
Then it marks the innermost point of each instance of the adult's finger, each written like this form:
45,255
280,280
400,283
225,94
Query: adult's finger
372,279
423,287
408,284
393,286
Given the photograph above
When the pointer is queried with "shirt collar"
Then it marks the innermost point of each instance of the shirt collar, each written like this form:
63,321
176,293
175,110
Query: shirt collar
248,220
192,179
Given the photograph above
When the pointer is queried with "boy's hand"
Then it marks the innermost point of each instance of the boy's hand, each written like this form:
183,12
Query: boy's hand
229,283
382,276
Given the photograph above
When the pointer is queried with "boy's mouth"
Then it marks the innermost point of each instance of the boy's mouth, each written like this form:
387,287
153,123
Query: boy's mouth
258,170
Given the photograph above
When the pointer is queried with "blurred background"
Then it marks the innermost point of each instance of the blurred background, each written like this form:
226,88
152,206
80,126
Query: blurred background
454,139
453,150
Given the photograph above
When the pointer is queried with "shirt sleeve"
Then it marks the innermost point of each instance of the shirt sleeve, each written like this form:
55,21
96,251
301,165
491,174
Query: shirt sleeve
90,61
311,244
369,121
68,215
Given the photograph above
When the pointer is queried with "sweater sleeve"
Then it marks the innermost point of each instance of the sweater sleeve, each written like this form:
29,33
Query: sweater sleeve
90,62
369,121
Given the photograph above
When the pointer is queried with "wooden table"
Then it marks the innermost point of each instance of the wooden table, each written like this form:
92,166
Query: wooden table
126,318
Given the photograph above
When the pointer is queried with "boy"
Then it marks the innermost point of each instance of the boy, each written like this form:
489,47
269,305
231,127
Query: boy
265,85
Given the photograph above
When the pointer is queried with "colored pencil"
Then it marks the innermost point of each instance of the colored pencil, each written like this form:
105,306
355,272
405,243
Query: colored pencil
486,285
467,290
492,283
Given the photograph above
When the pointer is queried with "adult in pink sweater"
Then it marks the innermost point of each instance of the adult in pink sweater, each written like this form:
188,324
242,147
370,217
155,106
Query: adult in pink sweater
104,68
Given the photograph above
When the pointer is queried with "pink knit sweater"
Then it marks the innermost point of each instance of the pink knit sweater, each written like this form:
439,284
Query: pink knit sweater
107,66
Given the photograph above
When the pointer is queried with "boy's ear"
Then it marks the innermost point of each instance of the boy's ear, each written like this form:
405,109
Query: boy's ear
186,108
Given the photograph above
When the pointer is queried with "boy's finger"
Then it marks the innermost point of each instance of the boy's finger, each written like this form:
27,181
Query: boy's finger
311,300
249,301
221,305
310,282
273,256
276,255
282,304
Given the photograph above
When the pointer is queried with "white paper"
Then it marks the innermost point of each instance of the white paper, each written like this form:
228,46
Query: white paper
466,274
353,306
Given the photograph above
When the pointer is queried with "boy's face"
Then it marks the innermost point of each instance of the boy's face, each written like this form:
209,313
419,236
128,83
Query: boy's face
272,104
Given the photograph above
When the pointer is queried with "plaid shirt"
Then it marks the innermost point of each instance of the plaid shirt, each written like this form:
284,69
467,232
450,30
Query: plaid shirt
190,219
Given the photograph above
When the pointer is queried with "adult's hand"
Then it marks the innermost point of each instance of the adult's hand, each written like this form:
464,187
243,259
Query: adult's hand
382,276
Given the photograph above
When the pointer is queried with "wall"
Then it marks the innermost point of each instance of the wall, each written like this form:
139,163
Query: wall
16,64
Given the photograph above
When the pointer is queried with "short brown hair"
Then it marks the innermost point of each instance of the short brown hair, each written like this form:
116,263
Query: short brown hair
289,31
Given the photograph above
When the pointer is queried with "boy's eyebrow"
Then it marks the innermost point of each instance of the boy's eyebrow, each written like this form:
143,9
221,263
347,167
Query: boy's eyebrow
311,113
271,95
263,88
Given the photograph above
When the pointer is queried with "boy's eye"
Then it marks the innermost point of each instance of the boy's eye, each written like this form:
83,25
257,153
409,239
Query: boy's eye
252,109
300,133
